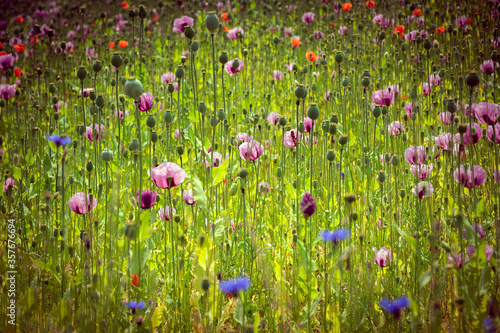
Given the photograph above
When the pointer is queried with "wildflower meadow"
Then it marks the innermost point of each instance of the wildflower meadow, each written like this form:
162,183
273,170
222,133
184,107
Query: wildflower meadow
250,166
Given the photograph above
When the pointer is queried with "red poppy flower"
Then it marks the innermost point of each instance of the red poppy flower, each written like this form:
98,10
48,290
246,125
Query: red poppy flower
1,45
111,45
469,20
296,42
400,30
20,47
124,4
224,16
2,53
34,39
346,7
156,18
18,72
19,19
135,280
225,28
123,43
476,11
440,29
311,56
417,12
370,4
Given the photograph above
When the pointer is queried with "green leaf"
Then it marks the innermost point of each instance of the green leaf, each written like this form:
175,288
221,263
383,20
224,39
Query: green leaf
290,190
157,317
412,241
198,194
16,172
238,313
304,314
424,279
479,208
220,172
144,231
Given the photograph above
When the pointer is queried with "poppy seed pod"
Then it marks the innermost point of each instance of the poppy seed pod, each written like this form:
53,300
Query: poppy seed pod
97,66
92,95
300,91
81,73
345,82
427,44
472,79
205,284
89,166
221,115
276,40
133,145
52,88
151,121
330,155
180,150
133,88
365,81
202,108
451,106
189,31
282,121
179,72
301,127
381,176
223,58
313,111
171,88
377,110
462,128
116,60
107,155
211,21
194,46
339,57
99,101
154,136
332,129
343,139
243,173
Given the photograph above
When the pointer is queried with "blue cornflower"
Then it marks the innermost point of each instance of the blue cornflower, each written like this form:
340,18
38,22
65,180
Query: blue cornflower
59,140
335,236
233,286
396,306
489,326
134,305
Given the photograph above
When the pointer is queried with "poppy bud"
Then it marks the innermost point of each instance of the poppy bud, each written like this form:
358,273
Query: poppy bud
180,150
211,21
233,189
168,117
133,88
205,284
279,173
81,73
151,121
243,173
313,111
301,127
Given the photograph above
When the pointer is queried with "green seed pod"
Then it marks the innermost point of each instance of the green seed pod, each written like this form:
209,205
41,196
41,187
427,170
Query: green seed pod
233,189
472,79
350,197
395,161
427,44
179,72
97,66
345,82
300,91
243,173
301,127
276,40
99,101
213,121
377,110
282,121
279,173
205,284
343,139
92,95
168,117
81,73
52,88
221,115
223,58
339,57
451,106
133,145
154,136
90,166
107,155
462,128
189,31
142,12
130,231
334,118
332,129
381,176
133,88
123,80
330,155
365,81
211,21
202,107
313,111
151,121
236,64
194,46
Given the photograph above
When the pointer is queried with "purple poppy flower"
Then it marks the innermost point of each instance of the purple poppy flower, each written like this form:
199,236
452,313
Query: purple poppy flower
81,203
477,228
86,92
383,97
461,21
292,138
496,42
188,197
420,21
146,102
273,118
148,199
91,53
228,67
308,205
167,175
308,17
121,114
278,75
177,133
335,236
290,66
456,259
469,139
318,35
236,285
94,132
287,32
235,33
415,155
180,23
342,30
493,133
7,61
264,187
327,96
486,112
443,141
411,108
251,150
463,176
488,66
9,183
395,307
422,190
168,77
308,125
421,171
216,162
434,80
58,106
7,91
59,140
426,89
446,117
166,217
382,255
242,137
